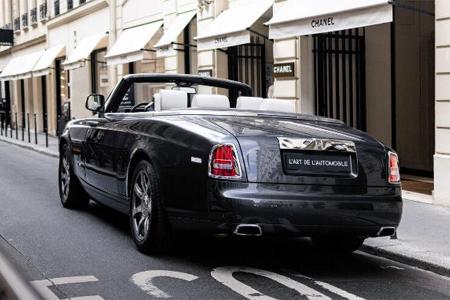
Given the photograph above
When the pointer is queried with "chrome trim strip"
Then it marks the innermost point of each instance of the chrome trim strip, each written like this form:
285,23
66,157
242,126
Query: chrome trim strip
314,144
236,231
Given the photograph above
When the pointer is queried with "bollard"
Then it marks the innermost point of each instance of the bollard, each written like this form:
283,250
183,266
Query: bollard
46,131
28,128
35,130
10,124
17,127
23,126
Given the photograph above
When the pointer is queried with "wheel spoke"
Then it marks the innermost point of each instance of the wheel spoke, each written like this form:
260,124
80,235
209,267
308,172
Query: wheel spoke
141,225
144,184
137,210
138,191
65,190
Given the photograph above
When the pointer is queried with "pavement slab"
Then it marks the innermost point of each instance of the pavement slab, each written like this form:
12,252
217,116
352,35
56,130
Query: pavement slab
423,238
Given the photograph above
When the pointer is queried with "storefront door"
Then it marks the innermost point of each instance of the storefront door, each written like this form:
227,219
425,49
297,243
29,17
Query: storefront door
339,76
247,63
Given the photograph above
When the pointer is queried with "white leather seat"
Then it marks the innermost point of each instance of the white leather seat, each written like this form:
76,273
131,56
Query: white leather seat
251,103
157,100
210,101
172,99
278,105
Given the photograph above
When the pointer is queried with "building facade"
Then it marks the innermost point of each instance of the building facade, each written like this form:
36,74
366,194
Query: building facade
377,66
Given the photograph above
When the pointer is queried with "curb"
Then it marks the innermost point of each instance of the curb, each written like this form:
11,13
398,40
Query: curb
30,147
407,260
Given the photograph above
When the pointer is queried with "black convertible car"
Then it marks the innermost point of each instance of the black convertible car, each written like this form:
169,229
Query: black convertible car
176,154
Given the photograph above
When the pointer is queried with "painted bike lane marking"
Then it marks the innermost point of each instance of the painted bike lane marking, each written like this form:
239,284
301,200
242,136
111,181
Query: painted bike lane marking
144,280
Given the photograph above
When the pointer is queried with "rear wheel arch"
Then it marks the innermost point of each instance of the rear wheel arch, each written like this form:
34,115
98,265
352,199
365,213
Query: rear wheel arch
137,156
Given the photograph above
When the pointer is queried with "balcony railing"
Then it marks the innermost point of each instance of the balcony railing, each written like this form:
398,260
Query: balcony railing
33,15
43,12
17,24
7,26
69,4
56,7
25,20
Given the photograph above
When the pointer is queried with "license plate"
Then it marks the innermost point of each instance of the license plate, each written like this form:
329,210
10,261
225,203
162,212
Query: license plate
313,163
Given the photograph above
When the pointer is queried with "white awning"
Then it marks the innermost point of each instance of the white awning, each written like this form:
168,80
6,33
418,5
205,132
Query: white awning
297,18
164,45
45,63
231,27
132,44
20,67
82,52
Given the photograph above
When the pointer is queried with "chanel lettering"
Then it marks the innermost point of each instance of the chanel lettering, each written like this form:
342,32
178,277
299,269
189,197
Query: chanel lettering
317,23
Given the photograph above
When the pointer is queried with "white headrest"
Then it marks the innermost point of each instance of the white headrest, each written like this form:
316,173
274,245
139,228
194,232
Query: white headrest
157,99
210,101
171,99
278,105
252,103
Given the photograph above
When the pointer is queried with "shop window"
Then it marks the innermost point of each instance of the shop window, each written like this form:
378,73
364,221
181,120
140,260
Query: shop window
99,73
56,7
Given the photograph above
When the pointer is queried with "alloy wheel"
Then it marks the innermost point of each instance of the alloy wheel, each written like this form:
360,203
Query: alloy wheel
65,177
141,206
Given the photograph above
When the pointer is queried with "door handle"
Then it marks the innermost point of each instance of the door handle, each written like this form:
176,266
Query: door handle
92,123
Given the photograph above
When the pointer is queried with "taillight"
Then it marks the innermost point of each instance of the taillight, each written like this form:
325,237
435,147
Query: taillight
223,162
394,168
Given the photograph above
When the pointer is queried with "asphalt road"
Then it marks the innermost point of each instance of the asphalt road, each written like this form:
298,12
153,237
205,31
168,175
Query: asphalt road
90,253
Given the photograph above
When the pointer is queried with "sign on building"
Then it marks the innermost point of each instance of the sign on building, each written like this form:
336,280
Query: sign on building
284,70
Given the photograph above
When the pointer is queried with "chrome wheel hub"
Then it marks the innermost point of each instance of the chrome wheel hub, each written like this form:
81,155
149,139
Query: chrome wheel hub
141,209
65,178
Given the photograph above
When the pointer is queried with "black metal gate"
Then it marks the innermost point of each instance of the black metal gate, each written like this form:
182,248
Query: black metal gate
340,76
247,63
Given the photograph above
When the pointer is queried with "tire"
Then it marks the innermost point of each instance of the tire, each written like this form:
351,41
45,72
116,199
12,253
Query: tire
149,226
343,244
71,193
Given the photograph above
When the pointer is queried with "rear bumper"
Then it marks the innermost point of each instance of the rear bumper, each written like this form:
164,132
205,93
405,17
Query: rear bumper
301,210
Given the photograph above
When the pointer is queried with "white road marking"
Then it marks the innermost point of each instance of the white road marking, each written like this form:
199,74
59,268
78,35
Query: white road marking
224,275
43,286
338,291
144,281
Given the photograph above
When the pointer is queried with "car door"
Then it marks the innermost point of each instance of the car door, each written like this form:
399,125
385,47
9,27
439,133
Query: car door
101,148
78,134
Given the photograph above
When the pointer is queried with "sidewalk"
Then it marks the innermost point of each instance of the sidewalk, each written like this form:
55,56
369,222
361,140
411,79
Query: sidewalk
52,149
423,238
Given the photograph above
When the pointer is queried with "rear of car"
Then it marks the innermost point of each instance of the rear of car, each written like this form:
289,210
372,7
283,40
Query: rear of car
304,178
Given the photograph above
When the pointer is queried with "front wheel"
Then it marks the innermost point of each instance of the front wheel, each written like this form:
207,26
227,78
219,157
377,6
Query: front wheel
149,225
71,192
343,244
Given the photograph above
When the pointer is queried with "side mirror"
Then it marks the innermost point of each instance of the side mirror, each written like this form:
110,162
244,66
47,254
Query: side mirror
96,103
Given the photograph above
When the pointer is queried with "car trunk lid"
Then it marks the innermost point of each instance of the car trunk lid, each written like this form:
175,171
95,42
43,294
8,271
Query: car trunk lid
267,161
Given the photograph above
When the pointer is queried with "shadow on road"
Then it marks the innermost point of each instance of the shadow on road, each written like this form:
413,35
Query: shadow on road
282,254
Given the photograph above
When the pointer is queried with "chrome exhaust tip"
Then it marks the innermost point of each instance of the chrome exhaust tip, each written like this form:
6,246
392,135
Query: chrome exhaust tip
248,230
386,231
